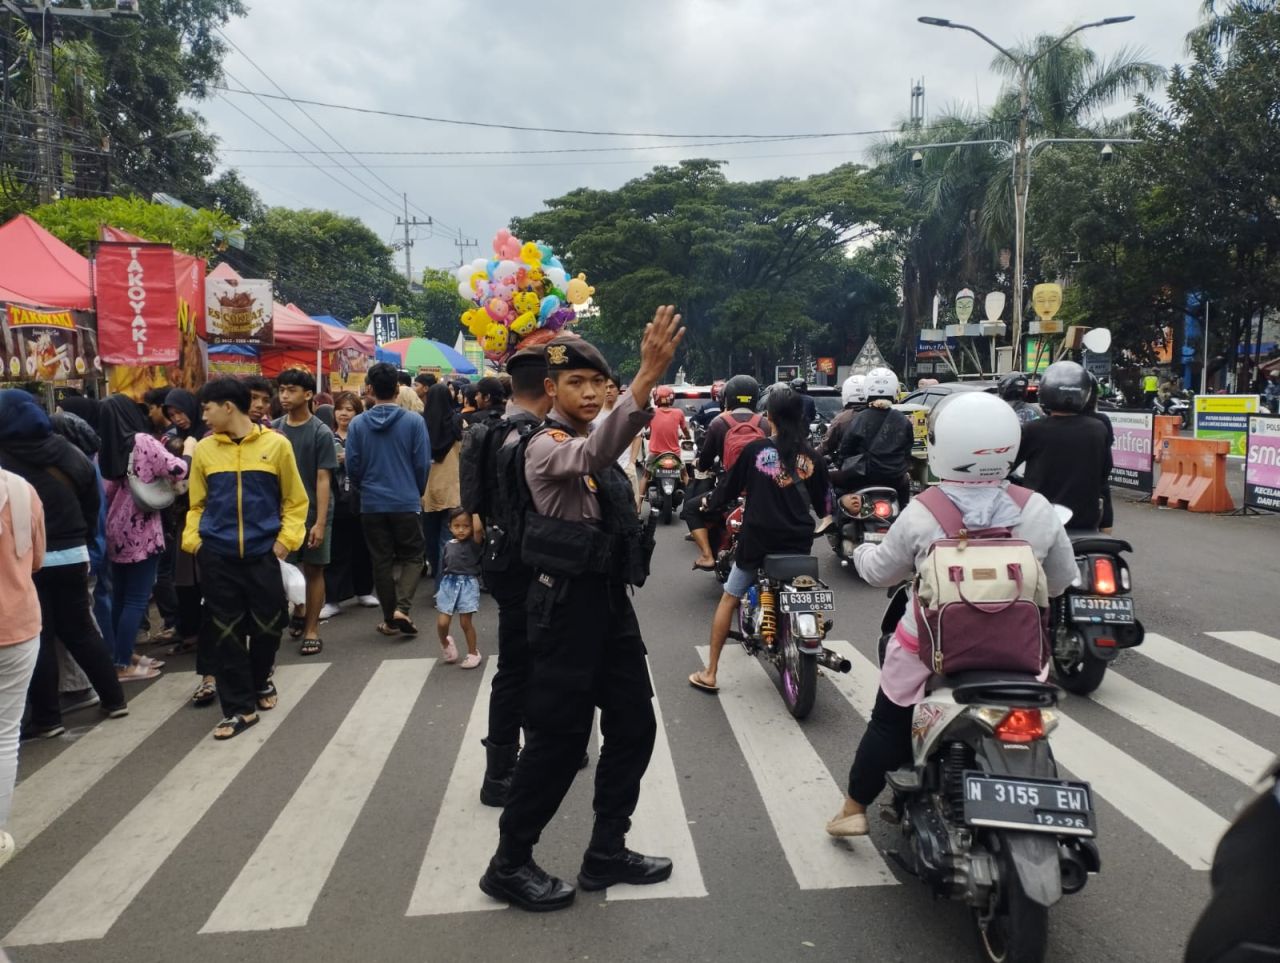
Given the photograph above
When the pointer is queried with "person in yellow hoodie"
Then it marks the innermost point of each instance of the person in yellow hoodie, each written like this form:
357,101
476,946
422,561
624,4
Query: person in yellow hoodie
248,512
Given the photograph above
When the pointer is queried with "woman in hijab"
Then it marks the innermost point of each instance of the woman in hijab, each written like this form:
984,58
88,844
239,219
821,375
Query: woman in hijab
444,431
120,420
65,482
21,555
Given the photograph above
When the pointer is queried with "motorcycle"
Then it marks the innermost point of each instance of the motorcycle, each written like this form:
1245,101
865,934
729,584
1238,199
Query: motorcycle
879,511
984,817
1175,405
724,540
1094,618
782,620
666,485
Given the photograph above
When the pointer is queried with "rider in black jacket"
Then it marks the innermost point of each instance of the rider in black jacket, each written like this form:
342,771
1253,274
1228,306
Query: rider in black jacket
875,448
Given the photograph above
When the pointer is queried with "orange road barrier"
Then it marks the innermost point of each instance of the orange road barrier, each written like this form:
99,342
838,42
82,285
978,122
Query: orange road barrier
1193,475
1164,426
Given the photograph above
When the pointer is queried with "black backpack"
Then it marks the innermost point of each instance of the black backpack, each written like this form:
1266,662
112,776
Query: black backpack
494,487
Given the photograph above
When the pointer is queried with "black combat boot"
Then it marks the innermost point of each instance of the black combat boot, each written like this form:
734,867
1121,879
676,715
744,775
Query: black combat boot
515,878
608,861
500,765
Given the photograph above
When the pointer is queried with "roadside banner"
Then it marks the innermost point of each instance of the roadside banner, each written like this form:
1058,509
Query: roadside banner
1262,464
49,344
1225,418
1131,452
137,299
347,369
239,311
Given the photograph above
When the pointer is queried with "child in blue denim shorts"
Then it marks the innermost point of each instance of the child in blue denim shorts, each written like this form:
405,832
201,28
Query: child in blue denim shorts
458,588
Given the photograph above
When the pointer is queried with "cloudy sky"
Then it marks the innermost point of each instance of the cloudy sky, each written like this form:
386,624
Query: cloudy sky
696,67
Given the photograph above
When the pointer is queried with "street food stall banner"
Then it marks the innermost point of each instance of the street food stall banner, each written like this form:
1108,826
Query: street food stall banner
48,344
238,311
1225,418
347,368
1132,450
1262,464
137,302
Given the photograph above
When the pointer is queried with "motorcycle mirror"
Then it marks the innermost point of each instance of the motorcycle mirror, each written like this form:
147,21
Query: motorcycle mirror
1097,341
1064,514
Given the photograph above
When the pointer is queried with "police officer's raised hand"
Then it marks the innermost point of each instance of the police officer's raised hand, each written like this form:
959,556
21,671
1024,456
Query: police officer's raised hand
662,336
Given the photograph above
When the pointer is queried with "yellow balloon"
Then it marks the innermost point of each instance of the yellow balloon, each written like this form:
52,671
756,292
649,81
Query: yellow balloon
530,254
496,337
535,275
477,322
477,278
525,323
526,302
579,290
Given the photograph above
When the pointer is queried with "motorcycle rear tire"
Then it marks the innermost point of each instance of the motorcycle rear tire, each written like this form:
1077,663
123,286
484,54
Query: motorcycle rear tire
1081,677
666,509
801,688
1019,933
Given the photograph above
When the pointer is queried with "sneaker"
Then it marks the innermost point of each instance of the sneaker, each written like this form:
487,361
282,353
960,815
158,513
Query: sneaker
471,661
7,847
137,673
368,601
329,611
450,650
115,712
74,701
43,732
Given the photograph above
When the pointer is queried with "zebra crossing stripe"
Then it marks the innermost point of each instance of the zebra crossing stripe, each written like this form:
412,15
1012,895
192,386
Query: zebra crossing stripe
1244,686
55,787
1173,722
1261,645
279,885
465,833
86,903
798,791
661,825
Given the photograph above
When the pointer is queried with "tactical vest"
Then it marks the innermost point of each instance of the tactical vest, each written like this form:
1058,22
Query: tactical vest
620,546
500,502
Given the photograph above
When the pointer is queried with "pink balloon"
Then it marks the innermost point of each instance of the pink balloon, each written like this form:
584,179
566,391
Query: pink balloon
498,309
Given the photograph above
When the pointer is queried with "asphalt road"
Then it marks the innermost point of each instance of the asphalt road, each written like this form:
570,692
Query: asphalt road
345,826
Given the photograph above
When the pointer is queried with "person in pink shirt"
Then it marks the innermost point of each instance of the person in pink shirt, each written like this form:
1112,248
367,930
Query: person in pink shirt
21,554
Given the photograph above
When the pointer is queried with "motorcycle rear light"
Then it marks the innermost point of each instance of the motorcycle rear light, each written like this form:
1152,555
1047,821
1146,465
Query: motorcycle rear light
1106,643
1021,726
1104,576
668,463
883,510
1124,578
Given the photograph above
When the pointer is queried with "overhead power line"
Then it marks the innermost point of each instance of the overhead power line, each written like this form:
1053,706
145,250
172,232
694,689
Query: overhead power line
539,150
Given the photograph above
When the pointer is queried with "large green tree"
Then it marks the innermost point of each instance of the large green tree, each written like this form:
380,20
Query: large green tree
322,261
78,222
748,264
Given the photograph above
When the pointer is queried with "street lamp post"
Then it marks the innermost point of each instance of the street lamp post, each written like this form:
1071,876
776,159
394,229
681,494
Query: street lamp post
1021,156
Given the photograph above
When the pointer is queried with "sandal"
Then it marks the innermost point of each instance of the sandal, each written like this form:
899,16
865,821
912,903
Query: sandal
405,625
699,682
311,647
236,724
704,568
268,698
297,625
205,693
385,629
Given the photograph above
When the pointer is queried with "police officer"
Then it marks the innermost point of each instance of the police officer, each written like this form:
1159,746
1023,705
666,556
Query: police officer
487,472
585,545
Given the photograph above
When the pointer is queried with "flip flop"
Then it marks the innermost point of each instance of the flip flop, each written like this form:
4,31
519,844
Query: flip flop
205,693
695,680
405,625
268,693
704,568
297,625
385,629
311,647
237,724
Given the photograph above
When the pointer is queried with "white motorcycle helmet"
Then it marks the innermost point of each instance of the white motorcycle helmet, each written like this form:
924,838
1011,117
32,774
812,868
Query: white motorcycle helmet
882,383
973,437
854,390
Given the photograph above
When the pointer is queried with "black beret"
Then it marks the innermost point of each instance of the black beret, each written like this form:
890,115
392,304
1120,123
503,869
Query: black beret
569,353
528,358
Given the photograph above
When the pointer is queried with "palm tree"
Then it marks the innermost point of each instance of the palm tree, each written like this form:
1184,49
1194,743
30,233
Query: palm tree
1223,19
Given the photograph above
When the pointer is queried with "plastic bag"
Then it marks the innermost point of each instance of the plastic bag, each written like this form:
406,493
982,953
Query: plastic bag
295,584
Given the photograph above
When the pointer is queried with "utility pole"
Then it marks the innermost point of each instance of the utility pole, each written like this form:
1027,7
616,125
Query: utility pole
37,14
917,103
462,243
408,224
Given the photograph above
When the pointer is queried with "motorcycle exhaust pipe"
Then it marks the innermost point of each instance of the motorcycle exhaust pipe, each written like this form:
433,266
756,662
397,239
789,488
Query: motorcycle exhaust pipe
834,661
1074,872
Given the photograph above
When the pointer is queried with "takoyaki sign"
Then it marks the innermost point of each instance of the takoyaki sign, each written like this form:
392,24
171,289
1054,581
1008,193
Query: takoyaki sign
238,311
48,344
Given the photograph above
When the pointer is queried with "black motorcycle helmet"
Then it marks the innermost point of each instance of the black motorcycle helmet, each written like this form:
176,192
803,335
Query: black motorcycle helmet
1065,386
1013,386
799,384
740,391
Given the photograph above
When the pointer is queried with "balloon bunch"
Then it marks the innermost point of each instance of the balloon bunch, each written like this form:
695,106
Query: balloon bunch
522,295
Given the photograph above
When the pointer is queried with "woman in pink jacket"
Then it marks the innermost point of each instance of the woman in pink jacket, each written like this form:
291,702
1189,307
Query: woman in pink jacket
21,554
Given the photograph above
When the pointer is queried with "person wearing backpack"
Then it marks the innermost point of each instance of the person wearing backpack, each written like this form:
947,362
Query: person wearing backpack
875,448
486,471
785,483
725,440
973,441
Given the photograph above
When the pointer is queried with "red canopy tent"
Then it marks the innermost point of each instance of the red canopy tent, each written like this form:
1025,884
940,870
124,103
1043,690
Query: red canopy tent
36,268
298,339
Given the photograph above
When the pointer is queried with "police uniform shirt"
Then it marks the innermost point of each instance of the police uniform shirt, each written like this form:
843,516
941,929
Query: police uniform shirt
558,464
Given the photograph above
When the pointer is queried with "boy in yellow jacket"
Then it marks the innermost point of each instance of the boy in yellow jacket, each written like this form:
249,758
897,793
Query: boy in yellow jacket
248,511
